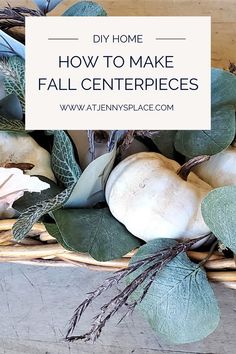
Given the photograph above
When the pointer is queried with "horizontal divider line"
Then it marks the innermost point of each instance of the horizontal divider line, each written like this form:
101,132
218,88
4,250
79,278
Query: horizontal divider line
170,39
63,39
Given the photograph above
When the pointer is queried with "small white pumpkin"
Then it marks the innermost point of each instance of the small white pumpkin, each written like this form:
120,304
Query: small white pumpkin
220,169
145,193
22,148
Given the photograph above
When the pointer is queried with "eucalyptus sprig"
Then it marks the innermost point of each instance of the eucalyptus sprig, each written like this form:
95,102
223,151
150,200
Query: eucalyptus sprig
147,269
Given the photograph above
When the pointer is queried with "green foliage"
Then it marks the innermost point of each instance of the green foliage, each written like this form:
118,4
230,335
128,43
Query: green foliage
54,231
64,165
11,125
32,214
164,140
89,190
30,199
94,231
180,304
14,78
218,211
66,170
85,8
209,142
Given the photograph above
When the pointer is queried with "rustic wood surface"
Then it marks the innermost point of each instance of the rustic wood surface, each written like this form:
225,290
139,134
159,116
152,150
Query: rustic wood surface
223,18
36,303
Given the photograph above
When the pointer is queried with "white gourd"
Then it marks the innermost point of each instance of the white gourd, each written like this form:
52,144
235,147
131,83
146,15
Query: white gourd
145,193
220,169
21,147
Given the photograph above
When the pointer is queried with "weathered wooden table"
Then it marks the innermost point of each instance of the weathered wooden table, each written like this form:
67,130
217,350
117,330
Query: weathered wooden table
36,302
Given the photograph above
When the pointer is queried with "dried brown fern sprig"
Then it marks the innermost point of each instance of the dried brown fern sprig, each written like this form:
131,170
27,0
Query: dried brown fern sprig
11,17
152,264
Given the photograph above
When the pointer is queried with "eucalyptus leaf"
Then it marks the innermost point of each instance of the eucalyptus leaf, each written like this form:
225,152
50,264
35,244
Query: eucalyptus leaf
89,190
218,211
209,142
10,46
11,125
32,214
10,107
63,160
54,231
66,170
223,103
164,141
85,8
94,231
223,88
180,304
14,78
47,5
30,199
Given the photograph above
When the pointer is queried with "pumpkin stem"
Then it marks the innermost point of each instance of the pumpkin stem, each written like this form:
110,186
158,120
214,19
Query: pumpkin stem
186,168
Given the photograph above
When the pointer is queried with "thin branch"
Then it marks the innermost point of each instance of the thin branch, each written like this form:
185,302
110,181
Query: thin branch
127,140
130,136
91,141
232,68
112,140
151,266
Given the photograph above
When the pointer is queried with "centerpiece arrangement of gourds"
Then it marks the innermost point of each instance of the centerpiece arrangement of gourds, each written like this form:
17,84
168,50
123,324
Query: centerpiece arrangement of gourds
109,192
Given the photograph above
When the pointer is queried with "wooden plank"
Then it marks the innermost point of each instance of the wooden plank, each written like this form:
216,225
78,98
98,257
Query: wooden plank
37,302
223,18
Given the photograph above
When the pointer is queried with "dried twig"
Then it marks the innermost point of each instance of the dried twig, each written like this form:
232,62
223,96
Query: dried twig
112,140
232,68
127,140
130,136
15,16
91,142
152,265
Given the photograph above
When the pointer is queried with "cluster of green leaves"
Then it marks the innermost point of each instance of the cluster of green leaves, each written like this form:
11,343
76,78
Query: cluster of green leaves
192,143
81,8
180,304
90,230
13,70
218,210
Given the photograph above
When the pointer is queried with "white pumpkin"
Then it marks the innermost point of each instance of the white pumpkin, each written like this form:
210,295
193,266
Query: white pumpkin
21,147
145,193
220,169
